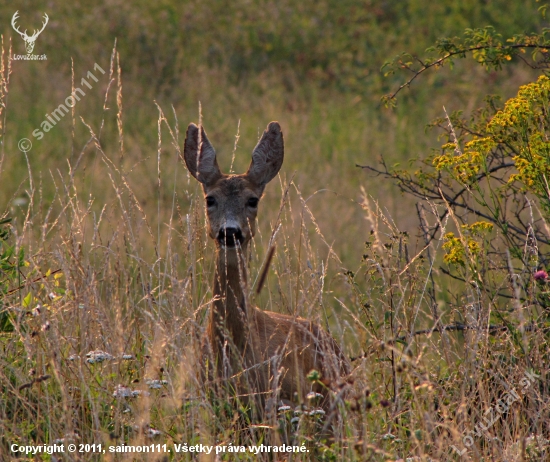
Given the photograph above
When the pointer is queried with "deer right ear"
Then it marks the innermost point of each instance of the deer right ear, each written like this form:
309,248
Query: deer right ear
267,156
200,156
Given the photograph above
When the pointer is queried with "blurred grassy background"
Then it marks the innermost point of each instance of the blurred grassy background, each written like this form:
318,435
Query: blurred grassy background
312,65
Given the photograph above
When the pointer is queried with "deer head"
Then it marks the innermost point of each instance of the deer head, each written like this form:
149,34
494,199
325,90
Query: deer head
232,200
29,41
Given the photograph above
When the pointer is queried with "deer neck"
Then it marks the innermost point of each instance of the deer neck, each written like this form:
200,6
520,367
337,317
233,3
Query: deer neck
229,313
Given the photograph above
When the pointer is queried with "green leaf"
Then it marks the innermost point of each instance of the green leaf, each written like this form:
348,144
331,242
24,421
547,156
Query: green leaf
27,300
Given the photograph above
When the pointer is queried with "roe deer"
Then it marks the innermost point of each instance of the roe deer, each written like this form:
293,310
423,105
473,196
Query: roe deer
265,354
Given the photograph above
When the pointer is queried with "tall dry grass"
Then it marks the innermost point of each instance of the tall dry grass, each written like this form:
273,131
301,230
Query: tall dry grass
108,305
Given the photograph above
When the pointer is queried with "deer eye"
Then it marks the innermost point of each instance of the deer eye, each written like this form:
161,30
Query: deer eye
253,202
210,201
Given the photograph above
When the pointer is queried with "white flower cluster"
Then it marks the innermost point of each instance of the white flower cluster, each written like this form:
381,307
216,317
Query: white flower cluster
303,410
98,356
126,392
156,384
151,433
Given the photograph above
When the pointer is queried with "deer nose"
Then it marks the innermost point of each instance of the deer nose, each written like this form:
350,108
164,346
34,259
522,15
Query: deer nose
229,237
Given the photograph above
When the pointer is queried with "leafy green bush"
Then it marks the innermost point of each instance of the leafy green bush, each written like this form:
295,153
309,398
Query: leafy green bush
491,176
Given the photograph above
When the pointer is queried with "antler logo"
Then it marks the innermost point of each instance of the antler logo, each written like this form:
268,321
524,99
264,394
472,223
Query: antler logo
29,41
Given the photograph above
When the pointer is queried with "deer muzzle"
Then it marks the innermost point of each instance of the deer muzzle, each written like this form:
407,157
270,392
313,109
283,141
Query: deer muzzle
228,237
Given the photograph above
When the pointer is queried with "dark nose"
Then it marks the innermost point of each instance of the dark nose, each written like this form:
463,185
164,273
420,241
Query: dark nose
230,236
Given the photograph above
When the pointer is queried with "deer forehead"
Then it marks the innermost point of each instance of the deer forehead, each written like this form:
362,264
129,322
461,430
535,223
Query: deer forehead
234,187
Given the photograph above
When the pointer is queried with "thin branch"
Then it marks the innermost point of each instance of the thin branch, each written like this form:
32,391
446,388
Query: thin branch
440,61
44,276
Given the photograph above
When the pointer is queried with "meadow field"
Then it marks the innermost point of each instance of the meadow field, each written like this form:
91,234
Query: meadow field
429,268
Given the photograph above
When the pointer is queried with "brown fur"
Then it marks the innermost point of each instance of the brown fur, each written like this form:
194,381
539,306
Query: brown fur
265,354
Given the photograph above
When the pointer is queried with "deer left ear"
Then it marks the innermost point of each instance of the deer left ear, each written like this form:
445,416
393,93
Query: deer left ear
200,156
267,156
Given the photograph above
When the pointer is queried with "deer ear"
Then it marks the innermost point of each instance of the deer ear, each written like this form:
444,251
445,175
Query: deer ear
267,156
200,156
